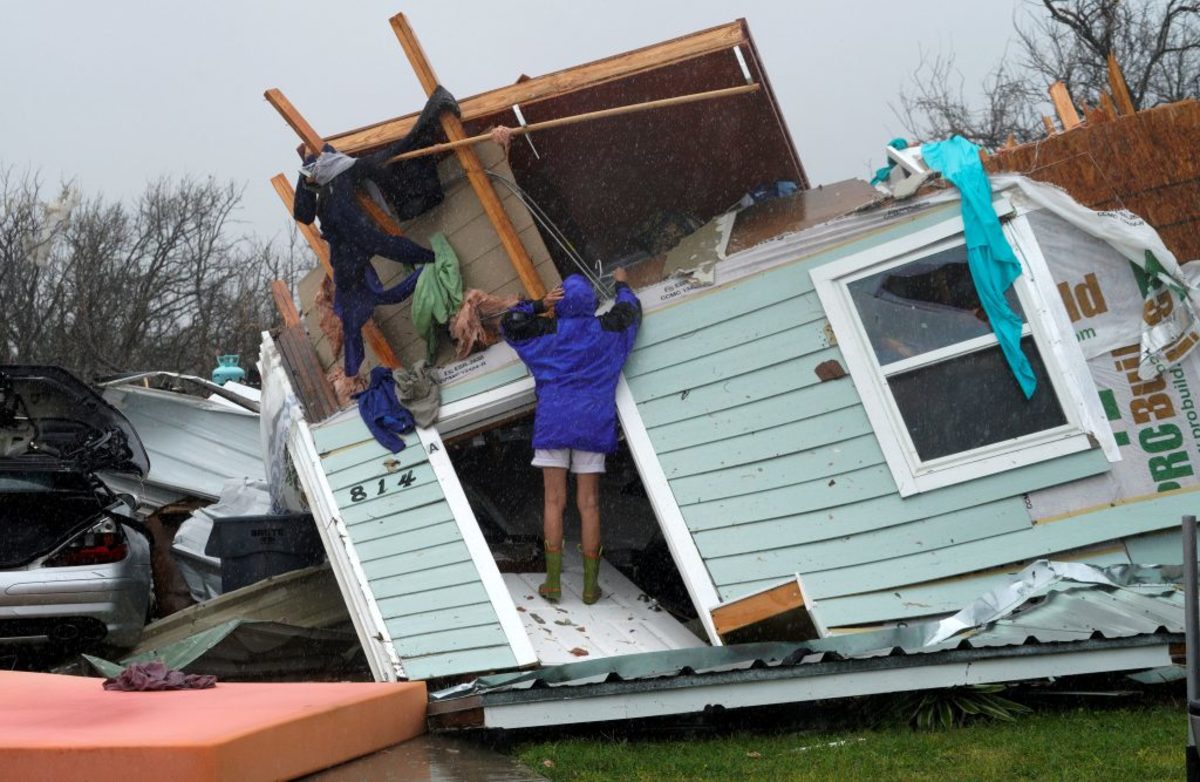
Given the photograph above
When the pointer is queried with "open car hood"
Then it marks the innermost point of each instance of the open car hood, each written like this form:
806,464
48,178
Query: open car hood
51,419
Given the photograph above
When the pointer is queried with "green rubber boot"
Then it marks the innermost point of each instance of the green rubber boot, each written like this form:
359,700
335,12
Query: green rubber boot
551,588
591,578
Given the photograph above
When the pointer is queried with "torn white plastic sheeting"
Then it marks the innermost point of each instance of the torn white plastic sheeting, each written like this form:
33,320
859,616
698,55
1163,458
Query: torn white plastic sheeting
1170,327
364,613
201,571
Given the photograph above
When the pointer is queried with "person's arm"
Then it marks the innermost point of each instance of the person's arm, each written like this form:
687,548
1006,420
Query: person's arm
626,313
524,322
304,204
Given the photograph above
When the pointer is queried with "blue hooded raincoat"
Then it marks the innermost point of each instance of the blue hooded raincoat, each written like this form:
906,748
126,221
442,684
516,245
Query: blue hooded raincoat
575,359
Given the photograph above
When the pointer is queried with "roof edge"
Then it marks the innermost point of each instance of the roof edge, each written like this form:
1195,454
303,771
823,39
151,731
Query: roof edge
558,83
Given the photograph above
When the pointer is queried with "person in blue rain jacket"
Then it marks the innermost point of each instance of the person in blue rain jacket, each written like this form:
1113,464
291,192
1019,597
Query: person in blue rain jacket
575,358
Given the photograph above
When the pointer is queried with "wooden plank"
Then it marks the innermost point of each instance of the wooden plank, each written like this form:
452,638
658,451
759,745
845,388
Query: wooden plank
718,335
787,503
773,349
760,417
797,374
755,608
770,442
455,570
284,303
559,83
1048,124
307,376
463,616
880,544
380,514
480,183
486,659
1109,523
427,525
457,638
419,563
806,464
420,602
1061,99
942,597
1120,90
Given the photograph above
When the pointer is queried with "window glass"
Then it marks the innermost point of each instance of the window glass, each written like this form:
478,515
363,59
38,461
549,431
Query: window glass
973,400
922,306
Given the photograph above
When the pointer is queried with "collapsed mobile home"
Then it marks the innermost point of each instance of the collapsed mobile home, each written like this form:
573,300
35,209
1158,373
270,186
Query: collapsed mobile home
821,436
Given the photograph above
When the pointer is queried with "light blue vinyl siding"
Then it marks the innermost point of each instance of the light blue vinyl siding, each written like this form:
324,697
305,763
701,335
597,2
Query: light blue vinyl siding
778,473
417,565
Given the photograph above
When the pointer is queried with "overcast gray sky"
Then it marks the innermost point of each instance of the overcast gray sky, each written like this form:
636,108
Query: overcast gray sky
119,92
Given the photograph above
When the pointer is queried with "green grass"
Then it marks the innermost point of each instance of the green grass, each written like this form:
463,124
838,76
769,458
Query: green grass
1127,744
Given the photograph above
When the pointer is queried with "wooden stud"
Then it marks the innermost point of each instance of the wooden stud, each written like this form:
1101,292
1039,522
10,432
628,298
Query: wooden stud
1048,123
313,141
1107,106
532,90
372,334
757,607
1120,90
1061,99
284,303
469,161
616,111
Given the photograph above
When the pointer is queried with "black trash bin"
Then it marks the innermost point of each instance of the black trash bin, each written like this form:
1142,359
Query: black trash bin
252,548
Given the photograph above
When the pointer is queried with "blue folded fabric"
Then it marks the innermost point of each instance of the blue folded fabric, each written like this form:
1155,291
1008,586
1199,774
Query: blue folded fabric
382,412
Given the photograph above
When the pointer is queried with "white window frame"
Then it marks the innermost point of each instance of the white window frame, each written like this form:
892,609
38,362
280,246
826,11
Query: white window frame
1085,427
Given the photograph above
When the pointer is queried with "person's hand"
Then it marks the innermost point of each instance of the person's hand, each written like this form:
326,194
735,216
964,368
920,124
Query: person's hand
620,275
553,297
503,136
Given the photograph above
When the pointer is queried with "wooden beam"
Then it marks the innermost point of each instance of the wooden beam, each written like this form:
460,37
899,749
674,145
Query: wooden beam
552,85
372,334
757,607
292,116
1120,90
1061,99
1107,105
1048,124
283,302
295,120
616,111
478,178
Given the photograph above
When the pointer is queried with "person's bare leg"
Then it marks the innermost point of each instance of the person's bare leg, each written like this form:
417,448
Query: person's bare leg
587,496
554,481
555,485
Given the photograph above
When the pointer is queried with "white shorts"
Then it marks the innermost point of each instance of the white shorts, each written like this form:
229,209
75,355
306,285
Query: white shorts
578,461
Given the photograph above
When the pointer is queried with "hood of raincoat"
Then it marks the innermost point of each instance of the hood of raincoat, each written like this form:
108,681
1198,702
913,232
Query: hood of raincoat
579,299
327,165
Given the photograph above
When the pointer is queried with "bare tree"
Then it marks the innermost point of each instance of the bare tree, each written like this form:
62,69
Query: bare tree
1156,42
162,283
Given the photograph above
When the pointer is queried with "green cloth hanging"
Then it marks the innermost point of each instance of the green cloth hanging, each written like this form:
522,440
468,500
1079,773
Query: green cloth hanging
438,295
